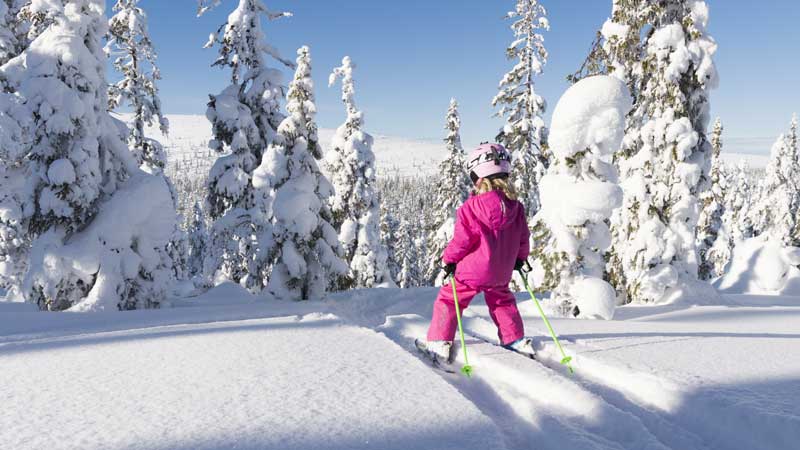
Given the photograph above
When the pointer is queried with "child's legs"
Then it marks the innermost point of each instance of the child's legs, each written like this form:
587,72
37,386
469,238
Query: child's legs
503,309
444,323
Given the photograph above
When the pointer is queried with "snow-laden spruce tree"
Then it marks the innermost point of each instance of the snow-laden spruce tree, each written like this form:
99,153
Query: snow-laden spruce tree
96,223
524,133
15,205
738,205
389,227
198,237
664,160
452,189
718,256
406,248
135,59
579,193
244,118
777,210
356,213
35,16
15,201
712,202
304,248
13,39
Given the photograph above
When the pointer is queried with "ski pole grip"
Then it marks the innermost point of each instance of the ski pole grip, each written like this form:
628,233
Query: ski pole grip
525,268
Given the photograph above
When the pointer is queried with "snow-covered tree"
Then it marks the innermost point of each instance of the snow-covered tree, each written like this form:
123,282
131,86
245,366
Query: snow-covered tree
389,229
96,223
35,16
198,237
13,38
304,253
524,133
15,202
14,239
407,257
244,118
579,192
736,219
452,189
664,160
777,212
712,202
135,59
356,213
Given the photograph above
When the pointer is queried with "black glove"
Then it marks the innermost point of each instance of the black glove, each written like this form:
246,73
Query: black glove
522,266
449,268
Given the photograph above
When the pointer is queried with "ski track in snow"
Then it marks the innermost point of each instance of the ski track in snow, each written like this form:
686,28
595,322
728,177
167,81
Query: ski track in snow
607,404
543,405
616,406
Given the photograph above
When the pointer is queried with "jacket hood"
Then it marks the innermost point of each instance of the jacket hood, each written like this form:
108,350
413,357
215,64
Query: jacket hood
495,210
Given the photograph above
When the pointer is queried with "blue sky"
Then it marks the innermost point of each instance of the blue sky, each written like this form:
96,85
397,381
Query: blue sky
413,55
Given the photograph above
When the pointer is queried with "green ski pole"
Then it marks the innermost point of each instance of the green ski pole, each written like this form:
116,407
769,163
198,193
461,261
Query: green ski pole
565,359
466,369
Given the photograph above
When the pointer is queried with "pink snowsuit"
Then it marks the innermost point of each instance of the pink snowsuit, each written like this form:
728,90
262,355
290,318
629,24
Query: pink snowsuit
491,234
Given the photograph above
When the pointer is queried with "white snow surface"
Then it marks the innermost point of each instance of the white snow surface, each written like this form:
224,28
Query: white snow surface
761,266
230,370
590,114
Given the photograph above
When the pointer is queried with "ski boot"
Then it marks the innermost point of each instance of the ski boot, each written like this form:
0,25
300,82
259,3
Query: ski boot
523,346
440,352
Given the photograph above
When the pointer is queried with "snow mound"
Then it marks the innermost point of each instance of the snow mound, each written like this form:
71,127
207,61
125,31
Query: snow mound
591,114
761,266
227,293
595,298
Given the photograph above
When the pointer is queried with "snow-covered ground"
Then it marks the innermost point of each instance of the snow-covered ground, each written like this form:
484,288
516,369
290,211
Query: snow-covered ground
228,370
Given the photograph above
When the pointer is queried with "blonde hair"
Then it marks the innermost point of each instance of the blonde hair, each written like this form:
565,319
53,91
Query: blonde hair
496,184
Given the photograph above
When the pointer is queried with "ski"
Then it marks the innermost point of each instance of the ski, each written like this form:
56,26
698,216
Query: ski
482,339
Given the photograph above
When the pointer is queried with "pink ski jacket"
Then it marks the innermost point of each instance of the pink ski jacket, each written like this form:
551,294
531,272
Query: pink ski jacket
491,234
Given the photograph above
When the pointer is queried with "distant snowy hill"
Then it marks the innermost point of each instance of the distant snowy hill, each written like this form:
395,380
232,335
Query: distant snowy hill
189,136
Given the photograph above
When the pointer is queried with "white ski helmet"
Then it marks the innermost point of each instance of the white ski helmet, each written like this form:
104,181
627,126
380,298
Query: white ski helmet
489,161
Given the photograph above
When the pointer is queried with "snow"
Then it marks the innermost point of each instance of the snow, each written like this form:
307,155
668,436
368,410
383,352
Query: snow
228,369
61,171
762,266
594,297
255,384
588,116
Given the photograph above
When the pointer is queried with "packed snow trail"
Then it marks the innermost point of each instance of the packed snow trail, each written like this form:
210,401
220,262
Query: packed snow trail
560,409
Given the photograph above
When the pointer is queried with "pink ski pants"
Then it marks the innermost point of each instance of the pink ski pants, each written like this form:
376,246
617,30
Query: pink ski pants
502,307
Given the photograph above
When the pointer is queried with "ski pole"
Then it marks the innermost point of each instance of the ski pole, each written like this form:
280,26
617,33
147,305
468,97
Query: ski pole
565,359
466,369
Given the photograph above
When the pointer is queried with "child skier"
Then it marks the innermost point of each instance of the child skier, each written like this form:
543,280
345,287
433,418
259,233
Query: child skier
489,243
